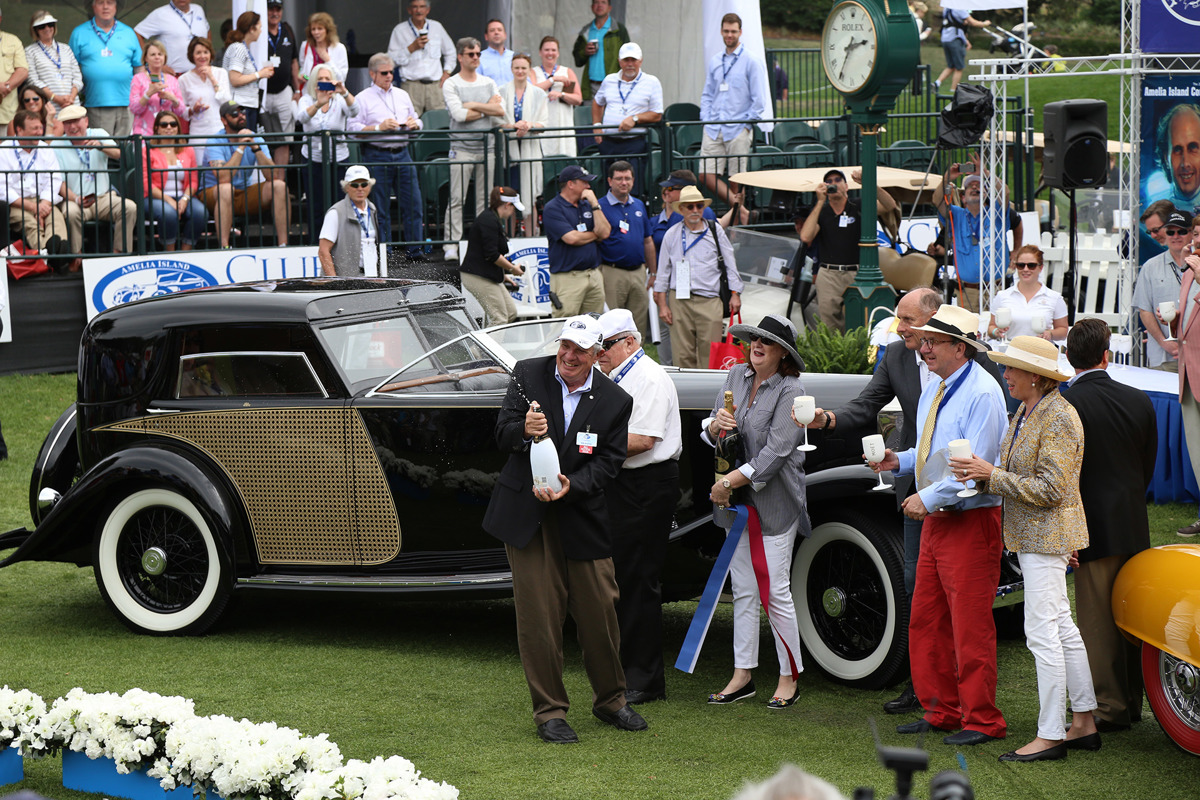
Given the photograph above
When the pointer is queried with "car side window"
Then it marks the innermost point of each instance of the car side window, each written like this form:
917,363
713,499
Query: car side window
248,374
462,365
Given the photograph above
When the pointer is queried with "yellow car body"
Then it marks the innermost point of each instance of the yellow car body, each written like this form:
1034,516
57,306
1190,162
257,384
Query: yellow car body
1156,600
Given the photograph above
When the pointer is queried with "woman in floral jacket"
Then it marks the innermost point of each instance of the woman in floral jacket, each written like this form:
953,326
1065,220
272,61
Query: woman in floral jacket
1044,524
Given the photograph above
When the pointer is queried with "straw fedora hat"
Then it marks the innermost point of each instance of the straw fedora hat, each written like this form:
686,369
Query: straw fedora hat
690,194
958,322
1032,354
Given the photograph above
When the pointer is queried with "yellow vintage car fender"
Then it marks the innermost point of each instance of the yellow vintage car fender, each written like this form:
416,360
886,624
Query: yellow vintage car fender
1156,599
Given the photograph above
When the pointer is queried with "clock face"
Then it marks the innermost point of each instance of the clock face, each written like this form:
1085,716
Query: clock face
849,47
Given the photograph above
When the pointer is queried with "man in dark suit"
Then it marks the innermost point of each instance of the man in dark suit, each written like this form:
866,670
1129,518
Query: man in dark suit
559,543
900,374
1120,445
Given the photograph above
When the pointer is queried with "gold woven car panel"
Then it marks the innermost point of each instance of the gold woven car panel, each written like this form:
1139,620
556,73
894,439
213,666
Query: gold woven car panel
299,471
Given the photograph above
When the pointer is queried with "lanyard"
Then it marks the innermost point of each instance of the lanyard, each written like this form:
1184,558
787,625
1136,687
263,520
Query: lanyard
187,20
951,390
726,70
361,222
104,39
695,241
274,40
629,366
21,163
388,102
250,56
632,86
1017,431
549,73
57,62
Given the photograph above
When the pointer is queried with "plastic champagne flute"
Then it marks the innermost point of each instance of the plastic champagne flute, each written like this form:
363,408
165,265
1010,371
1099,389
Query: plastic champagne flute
805,409
1003,320
1038,322
874,448
961,448
1167,311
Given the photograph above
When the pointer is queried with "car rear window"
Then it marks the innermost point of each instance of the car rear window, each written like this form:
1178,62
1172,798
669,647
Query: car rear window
247,374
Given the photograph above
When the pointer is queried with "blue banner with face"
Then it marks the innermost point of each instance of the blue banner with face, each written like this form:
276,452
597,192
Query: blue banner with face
1170,154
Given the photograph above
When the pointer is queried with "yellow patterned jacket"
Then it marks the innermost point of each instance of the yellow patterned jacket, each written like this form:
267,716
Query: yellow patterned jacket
1038,478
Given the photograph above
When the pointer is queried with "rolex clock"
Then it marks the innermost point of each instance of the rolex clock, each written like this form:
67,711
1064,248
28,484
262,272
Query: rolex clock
870,50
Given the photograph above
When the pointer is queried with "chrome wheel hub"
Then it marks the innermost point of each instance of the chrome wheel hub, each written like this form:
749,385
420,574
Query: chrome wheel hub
154,561
834,601
1181,685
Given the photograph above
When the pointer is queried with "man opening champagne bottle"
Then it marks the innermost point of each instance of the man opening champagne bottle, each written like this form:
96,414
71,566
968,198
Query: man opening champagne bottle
560,550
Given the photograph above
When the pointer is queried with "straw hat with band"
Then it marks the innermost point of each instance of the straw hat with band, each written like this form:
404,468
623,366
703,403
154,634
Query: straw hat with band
1032,354
690,194
957,322
774,328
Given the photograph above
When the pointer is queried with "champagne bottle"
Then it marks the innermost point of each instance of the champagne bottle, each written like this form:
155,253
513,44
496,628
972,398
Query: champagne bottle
729,452
543,460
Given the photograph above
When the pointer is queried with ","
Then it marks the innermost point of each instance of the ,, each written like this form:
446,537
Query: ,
333,434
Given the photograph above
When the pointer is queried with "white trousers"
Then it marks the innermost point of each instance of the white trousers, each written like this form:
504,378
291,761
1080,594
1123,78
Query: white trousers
746,602
1057,647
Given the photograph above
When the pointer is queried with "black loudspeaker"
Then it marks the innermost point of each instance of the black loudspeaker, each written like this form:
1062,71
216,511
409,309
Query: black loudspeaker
1076,152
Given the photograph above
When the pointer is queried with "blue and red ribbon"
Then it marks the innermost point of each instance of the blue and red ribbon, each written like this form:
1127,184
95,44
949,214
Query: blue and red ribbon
745,522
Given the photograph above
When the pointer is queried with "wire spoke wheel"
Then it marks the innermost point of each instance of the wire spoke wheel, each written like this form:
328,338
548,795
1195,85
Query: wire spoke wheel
158,565
848,586
1173,689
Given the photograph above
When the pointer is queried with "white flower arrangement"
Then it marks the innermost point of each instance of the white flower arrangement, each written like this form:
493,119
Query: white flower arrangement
19,711
379,779
238,760
244,760
131,729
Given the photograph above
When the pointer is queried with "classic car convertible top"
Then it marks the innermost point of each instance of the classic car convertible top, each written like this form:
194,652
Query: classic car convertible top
333,434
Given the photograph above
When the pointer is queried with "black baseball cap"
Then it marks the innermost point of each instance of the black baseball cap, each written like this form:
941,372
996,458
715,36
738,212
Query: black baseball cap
1177,220
575,173
833,172
231,109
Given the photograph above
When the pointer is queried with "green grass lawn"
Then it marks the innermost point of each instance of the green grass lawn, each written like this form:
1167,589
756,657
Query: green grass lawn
441,684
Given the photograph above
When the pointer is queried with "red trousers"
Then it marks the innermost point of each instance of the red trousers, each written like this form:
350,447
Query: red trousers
951,634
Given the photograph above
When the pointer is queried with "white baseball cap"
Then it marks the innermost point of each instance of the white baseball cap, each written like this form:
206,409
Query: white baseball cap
619,320
357,173
630,50
583,330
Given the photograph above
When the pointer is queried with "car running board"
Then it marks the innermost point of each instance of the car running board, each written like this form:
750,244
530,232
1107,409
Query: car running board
497,579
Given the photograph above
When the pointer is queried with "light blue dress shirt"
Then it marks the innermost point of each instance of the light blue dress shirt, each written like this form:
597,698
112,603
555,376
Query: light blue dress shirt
745,95
975,411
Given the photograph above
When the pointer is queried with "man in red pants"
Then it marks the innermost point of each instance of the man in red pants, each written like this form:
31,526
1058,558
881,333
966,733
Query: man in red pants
951,635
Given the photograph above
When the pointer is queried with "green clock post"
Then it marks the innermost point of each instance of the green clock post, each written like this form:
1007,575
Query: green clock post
870,50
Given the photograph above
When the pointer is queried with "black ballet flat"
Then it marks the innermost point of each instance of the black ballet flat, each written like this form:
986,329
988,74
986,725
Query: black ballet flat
720,698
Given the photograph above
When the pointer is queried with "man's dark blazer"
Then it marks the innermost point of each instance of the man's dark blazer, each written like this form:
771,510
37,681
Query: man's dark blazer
1120,444
897,376
513,514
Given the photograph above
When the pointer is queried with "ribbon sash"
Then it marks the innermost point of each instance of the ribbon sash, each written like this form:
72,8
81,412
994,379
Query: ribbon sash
746,521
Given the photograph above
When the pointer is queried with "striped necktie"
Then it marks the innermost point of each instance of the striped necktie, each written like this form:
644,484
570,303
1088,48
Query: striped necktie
927,431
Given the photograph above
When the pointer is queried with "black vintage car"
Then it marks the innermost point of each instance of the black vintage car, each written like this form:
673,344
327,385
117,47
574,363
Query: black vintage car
333,434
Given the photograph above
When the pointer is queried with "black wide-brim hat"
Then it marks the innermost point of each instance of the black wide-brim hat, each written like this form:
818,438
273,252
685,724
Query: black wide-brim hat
776,328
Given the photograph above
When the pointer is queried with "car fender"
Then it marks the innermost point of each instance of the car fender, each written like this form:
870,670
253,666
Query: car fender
66,532
1156,599
57,462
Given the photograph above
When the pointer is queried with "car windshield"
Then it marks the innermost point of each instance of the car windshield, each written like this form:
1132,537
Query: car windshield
372,350
528,339
470,363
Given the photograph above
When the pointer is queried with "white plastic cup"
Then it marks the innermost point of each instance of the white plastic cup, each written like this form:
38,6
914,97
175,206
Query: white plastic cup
805,408
960,448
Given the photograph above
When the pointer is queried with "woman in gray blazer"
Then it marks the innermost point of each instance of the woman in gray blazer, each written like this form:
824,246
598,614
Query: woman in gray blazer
763,391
